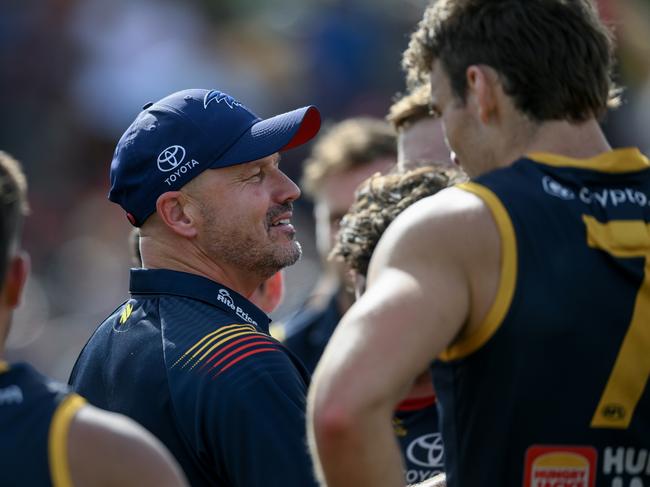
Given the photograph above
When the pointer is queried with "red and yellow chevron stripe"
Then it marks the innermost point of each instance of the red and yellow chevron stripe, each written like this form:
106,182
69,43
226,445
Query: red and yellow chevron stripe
223,348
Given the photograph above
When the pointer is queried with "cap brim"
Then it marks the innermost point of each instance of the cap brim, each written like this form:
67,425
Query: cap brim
275,134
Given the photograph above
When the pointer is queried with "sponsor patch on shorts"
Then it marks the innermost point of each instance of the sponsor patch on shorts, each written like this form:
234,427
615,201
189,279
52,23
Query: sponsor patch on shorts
560,466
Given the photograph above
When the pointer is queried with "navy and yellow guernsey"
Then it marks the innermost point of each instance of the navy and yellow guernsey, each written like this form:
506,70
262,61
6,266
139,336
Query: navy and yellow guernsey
192,361
416,427
552,390
35,415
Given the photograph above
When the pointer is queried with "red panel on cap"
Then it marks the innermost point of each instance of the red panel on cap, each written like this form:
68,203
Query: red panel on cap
308,128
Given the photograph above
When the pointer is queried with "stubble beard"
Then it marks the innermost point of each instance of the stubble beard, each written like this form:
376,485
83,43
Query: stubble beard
242,251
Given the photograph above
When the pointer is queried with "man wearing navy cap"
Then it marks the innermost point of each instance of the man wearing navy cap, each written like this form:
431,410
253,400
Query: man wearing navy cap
189,356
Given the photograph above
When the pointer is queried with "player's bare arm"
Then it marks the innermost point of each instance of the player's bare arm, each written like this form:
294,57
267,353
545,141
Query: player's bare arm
438,260
107,449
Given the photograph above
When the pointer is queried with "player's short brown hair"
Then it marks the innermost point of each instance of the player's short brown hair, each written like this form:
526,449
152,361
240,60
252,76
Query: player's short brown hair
351,143
378,201
553,57
410,108
13,207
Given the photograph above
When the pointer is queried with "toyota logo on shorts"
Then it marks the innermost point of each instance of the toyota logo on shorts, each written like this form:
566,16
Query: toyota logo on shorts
170,158
426,451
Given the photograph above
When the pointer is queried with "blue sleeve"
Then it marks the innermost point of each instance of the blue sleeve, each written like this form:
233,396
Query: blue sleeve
256,420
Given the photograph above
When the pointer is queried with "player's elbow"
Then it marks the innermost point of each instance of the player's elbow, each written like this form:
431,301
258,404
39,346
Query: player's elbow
333,415
332,421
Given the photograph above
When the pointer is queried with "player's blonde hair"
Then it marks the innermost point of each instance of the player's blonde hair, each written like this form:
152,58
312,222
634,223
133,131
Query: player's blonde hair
351,143
410,108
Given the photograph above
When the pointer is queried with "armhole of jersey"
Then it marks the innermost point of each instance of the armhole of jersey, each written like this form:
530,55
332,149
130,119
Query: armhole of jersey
4,366
58,440
467,344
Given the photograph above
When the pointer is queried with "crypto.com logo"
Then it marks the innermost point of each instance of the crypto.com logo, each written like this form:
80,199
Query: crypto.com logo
170,158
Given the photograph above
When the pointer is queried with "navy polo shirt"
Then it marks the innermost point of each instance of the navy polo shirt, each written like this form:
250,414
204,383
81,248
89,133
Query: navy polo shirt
192,361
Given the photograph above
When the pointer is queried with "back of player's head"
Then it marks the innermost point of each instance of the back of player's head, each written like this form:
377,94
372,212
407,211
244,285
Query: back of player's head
13,208
410,108
352,143
553,57
379,200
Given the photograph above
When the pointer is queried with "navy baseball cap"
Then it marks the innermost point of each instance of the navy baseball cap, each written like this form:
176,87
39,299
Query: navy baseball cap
175,139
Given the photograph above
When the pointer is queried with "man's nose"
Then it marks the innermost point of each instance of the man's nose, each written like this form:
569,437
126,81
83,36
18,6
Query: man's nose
287,190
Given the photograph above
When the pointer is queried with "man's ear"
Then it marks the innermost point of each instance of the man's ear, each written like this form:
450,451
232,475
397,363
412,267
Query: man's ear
481,86
177,213
15,280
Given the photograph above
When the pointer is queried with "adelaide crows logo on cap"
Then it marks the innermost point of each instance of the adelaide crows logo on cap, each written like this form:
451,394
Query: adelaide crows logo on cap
219,97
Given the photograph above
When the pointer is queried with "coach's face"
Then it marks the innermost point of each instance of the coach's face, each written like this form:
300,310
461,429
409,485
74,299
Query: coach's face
244,216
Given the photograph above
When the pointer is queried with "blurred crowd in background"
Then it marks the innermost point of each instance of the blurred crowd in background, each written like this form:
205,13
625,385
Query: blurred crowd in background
75,73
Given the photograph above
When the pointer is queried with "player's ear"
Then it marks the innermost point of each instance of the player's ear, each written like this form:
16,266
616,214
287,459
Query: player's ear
481,85
15,279
178,213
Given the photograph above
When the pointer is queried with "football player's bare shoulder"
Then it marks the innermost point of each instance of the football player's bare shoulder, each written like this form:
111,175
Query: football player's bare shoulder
448,220
98,440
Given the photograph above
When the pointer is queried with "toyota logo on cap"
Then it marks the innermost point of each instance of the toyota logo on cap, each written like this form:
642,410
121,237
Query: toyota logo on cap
170,158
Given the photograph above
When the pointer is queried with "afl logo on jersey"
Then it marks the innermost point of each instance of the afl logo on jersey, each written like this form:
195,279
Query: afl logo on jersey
613,412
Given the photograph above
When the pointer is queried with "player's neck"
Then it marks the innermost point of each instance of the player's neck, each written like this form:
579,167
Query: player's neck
184,257
579,141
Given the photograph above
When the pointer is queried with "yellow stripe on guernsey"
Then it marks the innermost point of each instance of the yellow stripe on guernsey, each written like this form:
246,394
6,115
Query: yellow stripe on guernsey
615,161
468,343
58,440
211,341
625,239
4,366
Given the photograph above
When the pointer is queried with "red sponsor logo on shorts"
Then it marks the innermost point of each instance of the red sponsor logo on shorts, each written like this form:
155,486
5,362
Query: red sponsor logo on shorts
560,466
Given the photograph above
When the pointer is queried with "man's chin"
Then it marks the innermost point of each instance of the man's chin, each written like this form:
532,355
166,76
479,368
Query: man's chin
294,253
281,258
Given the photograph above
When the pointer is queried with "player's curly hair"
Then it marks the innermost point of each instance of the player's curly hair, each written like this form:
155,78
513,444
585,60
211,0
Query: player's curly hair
378,201
553,57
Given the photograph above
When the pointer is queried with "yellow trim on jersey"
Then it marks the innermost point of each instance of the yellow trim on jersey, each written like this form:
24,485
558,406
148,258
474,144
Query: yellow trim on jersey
467,344
4,366
58,440
615,161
